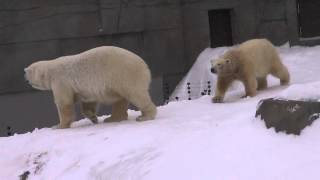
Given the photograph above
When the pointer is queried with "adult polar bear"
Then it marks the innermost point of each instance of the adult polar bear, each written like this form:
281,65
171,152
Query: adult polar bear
107,74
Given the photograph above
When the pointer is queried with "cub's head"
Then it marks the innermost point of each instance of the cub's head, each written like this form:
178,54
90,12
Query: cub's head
225,65
37,75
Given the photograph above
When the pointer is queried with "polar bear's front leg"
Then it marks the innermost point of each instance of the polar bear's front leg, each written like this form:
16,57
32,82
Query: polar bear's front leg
222,85
66,115
64,100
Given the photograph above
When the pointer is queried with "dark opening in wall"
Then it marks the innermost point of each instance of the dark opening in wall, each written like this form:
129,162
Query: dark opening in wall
220,27
309,18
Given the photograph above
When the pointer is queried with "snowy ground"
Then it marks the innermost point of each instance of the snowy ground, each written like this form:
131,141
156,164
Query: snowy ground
188,140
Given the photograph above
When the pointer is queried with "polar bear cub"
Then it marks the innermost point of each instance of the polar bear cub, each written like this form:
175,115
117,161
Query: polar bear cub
250,63
107,74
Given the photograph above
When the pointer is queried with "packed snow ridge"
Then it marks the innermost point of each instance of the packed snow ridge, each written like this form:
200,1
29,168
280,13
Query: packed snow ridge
188,140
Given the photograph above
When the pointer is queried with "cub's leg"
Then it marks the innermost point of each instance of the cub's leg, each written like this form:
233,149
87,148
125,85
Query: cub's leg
221,87
141,99
119,111
250,84
281,72
262,83
89,110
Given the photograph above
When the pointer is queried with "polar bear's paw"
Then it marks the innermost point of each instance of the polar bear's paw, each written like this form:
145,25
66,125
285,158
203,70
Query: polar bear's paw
114,119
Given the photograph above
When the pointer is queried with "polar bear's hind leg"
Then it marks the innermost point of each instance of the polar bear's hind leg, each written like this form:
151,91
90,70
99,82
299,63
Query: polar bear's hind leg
141,99
119,111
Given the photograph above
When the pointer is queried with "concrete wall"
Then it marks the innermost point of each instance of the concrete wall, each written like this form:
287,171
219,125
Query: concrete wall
36,30
168,34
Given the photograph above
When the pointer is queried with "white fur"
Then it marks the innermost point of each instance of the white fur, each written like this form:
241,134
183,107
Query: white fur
251,63
103,75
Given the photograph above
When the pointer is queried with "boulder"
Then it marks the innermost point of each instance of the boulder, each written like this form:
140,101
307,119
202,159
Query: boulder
289,116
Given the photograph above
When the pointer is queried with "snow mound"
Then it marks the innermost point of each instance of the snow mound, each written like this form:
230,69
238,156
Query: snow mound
188,140
308,91
199,78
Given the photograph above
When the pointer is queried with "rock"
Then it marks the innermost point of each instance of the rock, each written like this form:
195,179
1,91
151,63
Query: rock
289,116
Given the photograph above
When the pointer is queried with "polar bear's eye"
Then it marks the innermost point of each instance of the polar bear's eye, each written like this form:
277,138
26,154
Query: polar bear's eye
228,61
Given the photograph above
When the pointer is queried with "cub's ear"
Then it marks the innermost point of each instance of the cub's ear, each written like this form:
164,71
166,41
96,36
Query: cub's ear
26,69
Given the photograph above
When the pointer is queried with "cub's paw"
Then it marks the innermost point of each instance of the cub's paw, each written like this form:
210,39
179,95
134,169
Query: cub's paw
217,99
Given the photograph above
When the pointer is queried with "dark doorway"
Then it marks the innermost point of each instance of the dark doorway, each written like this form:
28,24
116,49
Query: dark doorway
309,18
220,27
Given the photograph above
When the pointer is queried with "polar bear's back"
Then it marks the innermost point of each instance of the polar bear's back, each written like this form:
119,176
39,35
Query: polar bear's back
262,54
102,69
111,57
115,61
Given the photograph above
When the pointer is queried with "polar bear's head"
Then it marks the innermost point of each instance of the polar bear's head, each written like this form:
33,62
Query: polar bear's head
37,75
225,65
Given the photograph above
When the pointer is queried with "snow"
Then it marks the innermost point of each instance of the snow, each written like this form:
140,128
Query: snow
189,139
306,92
198,76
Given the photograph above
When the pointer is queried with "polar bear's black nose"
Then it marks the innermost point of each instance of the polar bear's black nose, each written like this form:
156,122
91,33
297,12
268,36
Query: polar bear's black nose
213,70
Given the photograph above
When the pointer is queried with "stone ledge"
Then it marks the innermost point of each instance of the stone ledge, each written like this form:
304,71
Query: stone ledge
289,116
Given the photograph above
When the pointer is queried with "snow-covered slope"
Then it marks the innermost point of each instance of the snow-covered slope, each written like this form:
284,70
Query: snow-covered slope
188,140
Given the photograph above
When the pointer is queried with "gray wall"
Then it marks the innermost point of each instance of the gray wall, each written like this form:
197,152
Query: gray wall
36,30
168,34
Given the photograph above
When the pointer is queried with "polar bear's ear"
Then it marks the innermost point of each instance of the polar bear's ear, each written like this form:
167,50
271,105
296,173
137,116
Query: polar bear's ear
27,69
